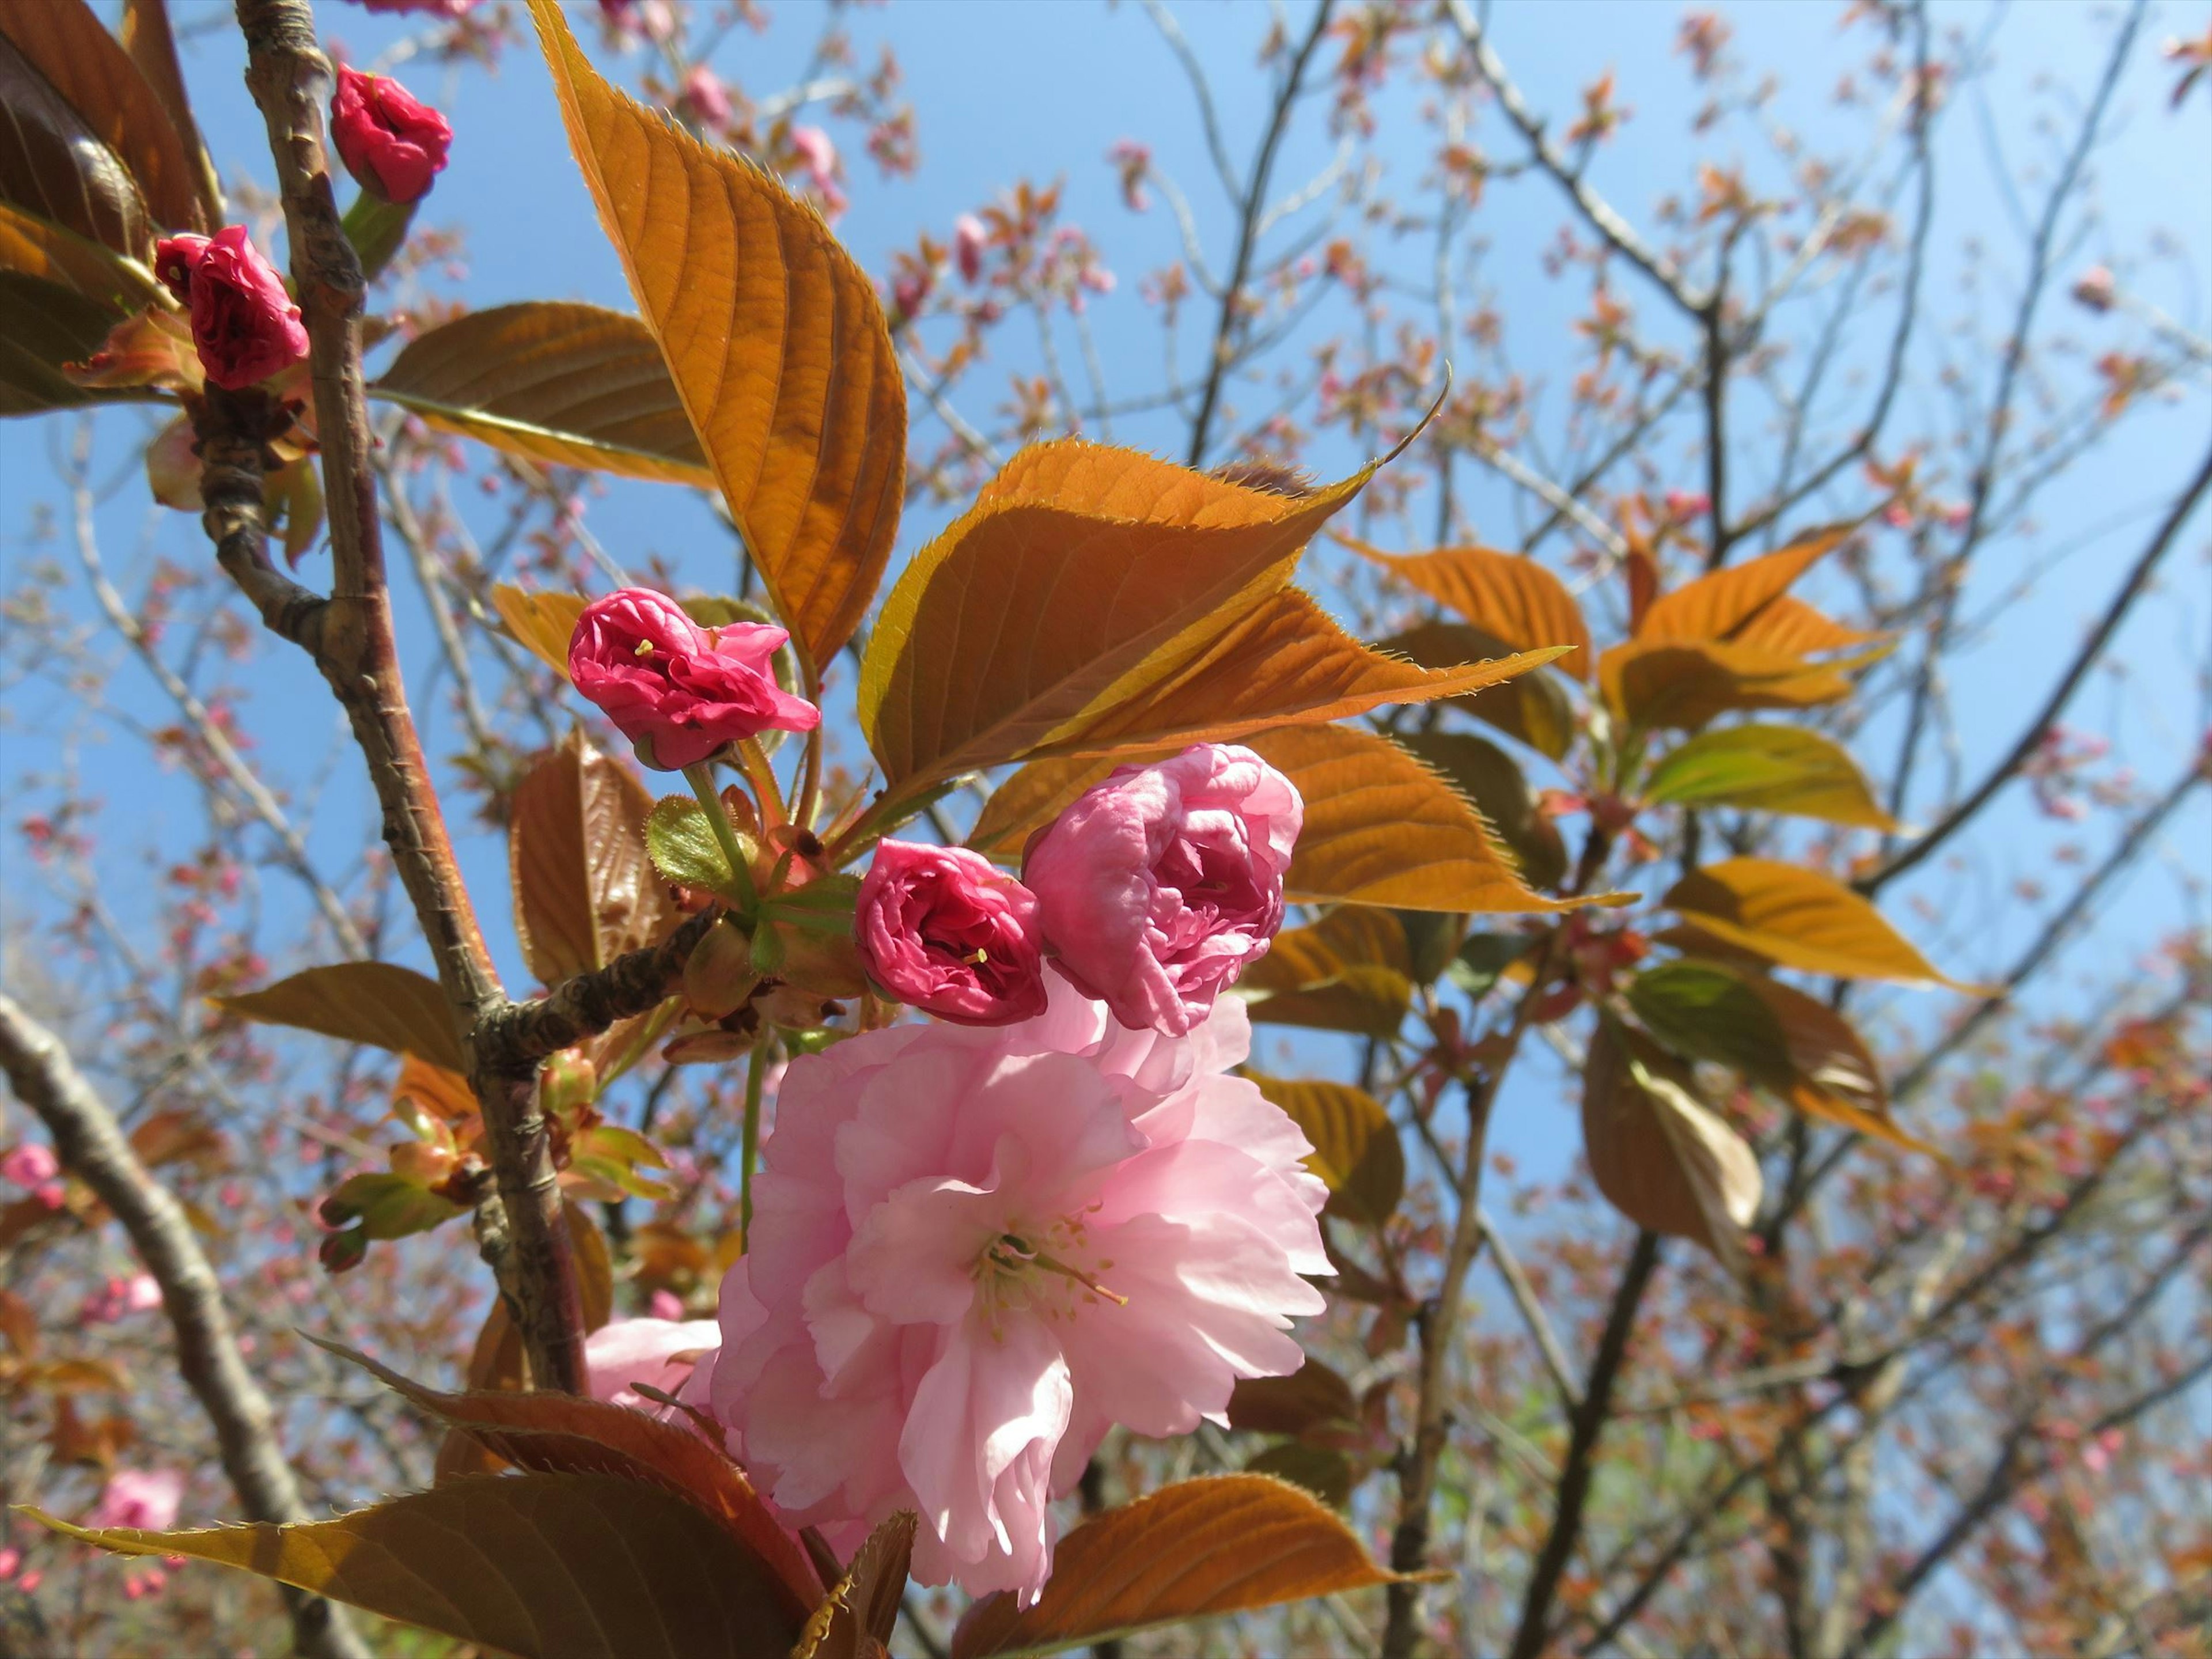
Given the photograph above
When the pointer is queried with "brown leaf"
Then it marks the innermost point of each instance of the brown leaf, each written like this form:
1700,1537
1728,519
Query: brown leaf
1356,1150
1719,607
564,384
152,45
1508,596
1083,578
857,1620
773,335
1837,1077
1800,919
1313,1396
1665,685
1791,627
1490,778
378,1003
1533,708
37,247
544,1566
1322,1470
1658,1152
1350,971
1225,1544
584,890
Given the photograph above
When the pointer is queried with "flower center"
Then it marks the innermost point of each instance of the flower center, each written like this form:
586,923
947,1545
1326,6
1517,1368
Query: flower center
1021,1271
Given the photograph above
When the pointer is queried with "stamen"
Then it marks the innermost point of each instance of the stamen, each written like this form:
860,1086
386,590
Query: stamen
642,648
1052,1265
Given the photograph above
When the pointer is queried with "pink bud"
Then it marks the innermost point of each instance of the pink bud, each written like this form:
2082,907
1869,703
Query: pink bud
31,1165
390,140
2095,289
706,97
815,149
944,929
11,1562
244,324
968,238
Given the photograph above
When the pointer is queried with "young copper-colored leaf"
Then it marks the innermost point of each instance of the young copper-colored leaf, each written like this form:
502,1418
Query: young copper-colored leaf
553,1433
1314,1396
63,41
36,247
544,1566
1035,793
541,622
1324,1471
1508,596
1381,827
856,1620
1533,708
378,1003
1793,627
44,326
584,890
1802,920
1350,971
51,164
1660,1155
1286,663
1225,1544
1666,685
152,45
1355,1152
564,384
1768,768
1489,777
1836,1076
1718,606
773,335
1083,579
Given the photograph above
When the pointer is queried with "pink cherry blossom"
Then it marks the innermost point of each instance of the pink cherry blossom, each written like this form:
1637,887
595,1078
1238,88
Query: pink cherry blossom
968,240
1162,883
944,929
974,1250
659,1352
147,1499
31,1165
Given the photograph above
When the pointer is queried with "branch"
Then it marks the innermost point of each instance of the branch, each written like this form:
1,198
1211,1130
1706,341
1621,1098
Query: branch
512,1041
91,1146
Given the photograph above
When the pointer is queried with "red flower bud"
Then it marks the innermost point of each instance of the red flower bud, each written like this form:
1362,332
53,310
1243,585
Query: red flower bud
391,141
244,324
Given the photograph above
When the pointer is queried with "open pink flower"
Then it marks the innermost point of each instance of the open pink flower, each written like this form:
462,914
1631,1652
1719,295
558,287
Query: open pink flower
678,691
147,1499
972,1251
946,930
1162,883
662,1353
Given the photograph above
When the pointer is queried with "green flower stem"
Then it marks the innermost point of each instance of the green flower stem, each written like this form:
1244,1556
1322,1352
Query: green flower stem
756,1072
701,777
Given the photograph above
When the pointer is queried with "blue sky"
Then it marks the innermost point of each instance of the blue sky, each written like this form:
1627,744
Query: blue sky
1006,89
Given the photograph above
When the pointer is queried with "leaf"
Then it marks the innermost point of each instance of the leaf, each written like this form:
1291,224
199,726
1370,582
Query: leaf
1719,607
1660,1155
1534,709
387,1206
63,41
1487,775
546,1566
857,1620
1662,685
1508,596
774,336
1793,627
51,164
1770,768
1286,663
1225,1544
1702,1011
541,623
585,888
32,246
563,384
1800,919
1355,1151
685,851
44,325
552,1433
1834,1075
1313,1396
1350,971
1322,1470
378,1003
1382,829
1084,578
152,46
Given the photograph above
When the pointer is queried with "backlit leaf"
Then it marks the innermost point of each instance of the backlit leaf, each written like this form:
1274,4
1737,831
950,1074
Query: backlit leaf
564,384
1286,663
37,247
1769,768
545,1566
1800,919
1793,628
1834,1075
1658,1152
1508,596
857,1620
1322,1470
44,325
378,1003
1489,777
147,37
1703,1010
1719,605
1350,971
1225,1544
1665,685
1533,708
773,335
584,890
1355,1152
1083,579
1381,827
543,622
553,1433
